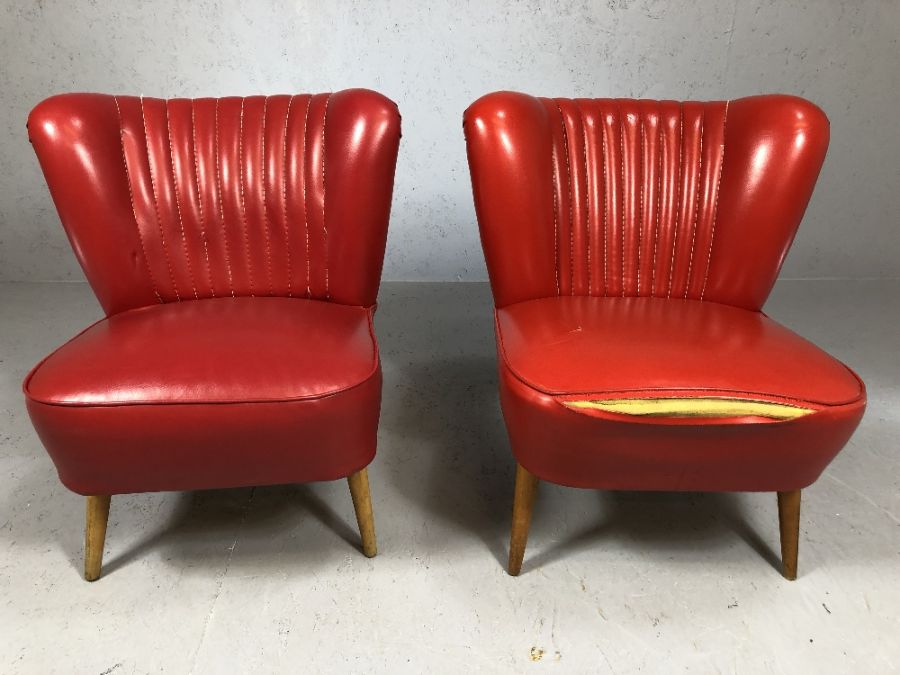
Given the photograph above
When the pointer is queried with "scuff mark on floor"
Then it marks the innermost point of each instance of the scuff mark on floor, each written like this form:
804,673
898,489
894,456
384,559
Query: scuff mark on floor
221,581
864,496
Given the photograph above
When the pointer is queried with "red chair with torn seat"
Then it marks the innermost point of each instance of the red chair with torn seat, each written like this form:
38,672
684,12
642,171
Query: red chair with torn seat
631,245
235,245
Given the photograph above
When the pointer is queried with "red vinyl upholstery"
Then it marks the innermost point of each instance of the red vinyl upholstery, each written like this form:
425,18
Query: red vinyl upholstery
631,246
570,348
236,247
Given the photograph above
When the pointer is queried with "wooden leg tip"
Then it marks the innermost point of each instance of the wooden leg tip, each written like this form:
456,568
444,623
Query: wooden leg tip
789,569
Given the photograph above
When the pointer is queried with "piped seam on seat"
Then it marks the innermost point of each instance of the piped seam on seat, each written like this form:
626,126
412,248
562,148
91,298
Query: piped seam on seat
224,402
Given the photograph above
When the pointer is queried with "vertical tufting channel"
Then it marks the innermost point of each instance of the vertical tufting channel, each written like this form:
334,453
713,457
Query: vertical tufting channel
228,195
137,219
635,195
715,210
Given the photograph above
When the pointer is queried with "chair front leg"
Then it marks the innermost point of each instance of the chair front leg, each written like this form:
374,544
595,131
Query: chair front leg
789,524
96,517
523,504
362,504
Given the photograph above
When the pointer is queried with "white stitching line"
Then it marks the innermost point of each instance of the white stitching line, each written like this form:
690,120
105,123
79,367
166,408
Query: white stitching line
680,194
687,286
131,197
287,236
305,201
187,256
265,206
605,206
324,222
562,122
162,236
587,195
640,221
712,234
554,159
222,205
659,152
240,173
200,200
622,167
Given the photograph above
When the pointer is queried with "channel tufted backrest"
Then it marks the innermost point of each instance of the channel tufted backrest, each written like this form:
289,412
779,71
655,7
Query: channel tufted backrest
615,197
171,200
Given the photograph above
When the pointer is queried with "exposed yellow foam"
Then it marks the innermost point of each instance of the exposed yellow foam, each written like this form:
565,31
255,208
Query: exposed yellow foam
695,407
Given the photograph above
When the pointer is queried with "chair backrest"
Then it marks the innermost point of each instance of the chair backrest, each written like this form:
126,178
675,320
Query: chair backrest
615,197
169,200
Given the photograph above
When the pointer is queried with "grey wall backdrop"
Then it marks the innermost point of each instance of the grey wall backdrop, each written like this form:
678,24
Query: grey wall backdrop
435,58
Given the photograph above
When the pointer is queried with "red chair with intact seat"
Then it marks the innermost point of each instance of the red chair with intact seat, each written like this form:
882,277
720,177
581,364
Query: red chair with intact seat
631,245
235,245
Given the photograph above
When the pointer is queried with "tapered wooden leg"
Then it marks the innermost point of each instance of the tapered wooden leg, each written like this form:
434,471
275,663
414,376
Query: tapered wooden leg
362,503
789,523
96,516
523,503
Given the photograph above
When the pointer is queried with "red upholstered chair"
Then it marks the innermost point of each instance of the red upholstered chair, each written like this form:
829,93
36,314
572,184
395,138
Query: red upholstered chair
235,245
631,246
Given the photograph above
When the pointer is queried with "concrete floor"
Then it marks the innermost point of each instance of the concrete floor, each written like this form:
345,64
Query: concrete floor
271,579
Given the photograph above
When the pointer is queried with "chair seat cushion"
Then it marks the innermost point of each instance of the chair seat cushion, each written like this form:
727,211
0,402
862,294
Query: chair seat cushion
653,393
211,393
225,350
572,345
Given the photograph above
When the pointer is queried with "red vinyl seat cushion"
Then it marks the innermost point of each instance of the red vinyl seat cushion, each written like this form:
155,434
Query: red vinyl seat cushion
581,344
232,391
559,350
226,350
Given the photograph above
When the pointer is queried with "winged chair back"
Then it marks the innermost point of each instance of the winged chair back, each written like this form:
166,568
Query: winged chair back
614,197
171,200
